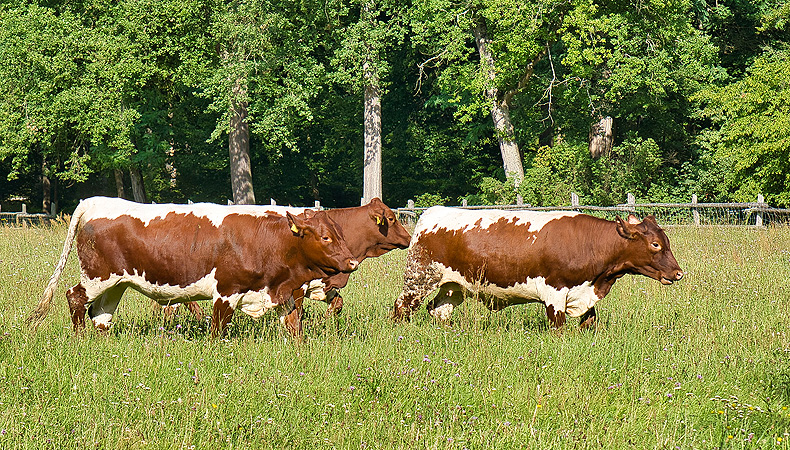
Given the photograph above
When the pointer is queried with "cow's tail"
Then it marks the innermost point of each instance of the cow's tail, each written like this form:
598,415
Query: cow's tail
42,309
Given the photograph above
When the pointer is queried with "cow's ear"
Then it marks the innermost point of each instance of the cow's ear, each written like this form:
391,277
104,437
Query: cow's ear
308,213
633,220
296,224
625,229
652,219
377,217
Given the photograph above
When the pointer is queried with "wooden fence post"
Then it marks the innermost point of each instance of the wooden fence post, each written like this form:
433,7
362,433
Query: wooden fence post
463,203
574,199
519,200
760,204
695,211
410,204
318,205
631,202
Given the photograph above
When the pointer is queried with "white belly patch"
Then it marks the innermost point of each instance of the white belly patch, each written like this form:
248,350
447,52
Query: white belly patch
202,289
253,303
573,301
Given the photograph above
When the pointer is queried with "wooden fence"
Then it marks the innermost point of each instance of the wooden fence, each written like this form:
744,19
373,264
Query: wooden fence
24,218
754,214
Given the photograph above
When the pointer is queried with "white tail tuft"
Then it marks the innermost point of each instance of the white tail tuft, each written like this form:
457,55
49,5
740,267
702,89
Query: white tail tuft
42,309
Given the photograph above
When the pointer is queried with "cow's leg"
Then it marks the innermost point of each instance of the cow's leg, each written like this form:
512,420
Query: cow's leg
588,320
77,299
103,307
293,320
556,316
419,280
450,295
223,312
335,303
168,311
196,310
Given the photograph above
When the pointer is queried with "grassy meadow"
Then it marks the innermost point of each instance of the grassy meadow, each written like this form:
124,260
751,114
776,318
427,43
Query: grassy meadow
702,364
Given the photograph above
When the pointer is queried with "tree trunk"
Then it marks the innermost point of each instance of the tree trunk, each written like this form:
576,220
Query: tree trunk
170,164
119,183
239,149
372,164
46,188
500,111
138,188
601,137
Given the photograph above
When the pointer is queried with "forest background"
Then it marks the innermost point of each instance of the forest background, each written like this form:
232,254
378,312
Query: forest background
147,99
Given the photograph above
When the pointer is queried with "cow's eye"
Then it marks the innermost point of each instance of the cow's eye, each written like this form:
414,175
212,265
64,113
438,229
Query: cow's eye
326,239
656,245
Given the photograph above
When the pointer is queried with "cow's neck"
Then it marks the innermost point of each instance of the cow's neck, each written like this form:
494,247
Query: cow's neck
350,220
614,259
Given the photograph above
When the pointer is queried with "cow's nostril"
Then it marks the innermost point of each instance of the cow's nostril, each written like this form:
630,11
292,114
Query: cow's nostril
353,263
679,275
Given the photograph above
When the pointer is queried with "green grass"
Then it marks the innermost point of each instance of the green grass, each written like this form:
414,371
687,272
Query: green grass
701,364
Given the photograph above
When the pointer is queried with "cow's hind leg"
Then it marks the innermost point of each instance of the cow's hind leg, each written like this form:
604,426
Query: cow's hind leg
77,300
103,307
449,296
419,280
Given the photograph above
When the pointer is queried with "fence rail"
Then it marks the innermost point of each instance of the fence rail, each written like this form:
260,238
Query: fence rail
754,214
749,214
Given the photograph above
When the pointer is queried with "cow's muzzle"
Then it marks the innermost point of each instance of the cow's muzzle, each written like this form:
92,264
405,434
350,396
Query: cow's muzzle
677,276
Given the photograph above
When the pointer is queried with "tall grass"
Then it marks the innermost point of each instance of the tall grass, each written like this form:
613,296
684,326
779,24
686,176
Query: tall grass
701,364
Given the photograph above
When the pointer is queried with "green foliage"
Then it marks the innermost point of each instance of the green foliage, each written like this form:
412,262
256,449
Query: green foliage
493,192
697,91
754,134
427,200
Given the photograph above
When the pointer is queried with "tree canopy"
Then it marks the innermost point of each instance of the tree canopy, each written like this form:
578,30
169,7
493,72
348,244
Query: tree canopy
95,91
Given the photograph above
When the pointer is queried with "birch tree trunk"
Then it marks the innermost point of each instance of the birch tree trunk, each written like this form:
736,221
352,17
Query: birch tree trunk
500,111
601,137
372,164
239,149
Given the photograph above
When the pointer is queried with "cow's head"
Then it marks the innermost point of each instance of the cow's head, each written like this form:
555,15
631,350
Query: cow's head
388,232
321,242
648,251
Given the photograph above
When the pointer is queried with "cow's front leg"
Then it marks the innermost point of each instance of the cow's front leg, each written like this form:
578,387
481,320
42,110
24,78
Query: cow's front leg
588,320
556,317
335,303
293,320
223,312
196,310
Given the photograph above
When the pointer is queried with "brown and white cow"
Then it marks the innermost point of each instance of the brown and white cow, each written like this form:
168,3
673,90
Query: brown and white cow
369,231
236,256
566,260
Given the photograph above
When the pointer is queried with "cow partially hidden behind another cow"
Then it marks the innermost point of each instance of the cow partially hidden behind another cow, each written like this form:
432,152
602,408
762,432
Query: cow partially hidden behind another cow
370,230
237,256
566,260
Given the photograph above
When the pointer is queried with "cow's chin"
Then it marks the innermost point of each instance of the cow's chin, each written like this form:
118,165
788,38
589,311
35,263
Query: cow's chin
666,281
